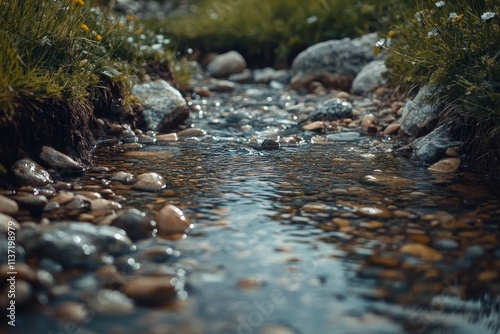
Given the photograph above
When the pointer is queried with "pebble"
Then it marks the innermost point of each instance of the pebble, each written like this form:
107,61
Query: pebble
446,165
59,161
313,126
123,177
344,136
104,204
445,244
368,120
276,329
386,180
167,137
392,128
8,206
137,224
474,251
152,182
191,132
107,302
31,173
31,202
150,289
171,219
421,251
63,197
343,95
71,312
373,212
332,109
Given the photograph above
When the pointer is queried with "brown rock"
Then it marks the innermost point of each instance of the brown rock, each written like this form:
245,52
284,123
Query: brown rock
8,206
392,128
171,219
317,125
150,289
368,120
424,252
446,165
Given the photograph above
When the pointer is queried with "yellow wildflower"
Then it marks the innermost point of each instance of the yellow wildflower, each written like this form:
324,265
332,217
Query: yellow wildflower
98,37
79,2
85,27
391,34
458,18
139,31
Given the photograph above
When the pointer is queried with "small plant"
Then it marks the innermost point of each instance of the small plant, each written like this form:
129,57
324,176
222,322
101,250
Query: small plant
454,46
61,62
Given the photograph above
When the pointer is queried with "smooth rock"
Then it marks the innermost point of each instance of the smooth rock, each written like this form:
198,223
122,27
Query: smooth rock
71,312
433,146
225,64
73,244
164,106
420,116
31,173
149,182
222,86
150,289
370,77
392,128
104,204
167,137
276,329
373,212
446,244
191,132
368,120
344,136
317,125
171,219
8,206
123,177
446,165
59,161
107,302
334,63
137,224
31,202
424,252
331,110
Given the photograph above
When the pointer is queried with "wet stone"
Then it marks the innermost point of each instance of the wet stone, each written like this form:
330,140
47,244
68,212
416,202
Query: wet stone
344,136
104,204
421,251
123,177
373,212
152,182
107,302
474,251
31,173
59,161
150,289
7,223
71,312
171,219
446,244
137,224
73,244
8,206
31,202
332,109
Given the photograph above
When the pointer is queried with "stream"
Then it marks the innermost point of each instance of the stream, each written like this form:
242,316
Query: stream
320,234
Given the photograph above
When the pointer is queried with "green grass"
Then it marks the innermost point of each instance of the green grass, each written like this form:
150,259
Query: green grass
62,59
455,47
274,29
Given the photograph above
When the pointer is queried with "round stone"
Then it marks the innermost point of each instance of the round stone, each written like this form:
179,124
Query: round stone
123,177
149,182
8,206
31,173
171,219
150,289
137,224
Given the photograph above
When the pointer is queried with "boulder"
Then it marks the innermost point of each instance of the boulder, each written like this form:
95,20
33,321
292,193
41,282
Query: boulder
420,116
164,106
334,63
225,64
370,77
432,147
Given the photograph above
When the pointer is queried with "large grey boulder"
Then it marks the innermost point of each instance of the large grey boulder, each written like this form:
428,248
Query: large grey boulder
433,146
420,116
164,106
370,77
334,63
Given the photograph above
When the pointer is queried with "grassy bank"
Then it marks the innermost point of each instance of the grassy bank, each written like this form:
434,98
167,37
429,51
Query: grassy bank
455,46
62,64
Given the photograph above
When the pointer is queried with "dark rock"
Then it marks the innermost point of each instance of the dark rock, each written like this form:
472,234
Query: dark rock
59,161
420,116
164,106
331,110
73,244
432,147
30,173
137,224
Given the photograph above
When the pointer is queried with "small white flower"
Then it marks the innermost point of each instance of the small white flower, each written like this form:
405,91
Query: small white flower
487,16
440,4
433,32
452,16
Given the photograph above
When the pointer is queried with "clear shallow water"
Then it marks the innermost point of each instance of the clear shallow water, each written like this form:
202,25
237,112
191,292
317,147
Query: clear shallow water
310,237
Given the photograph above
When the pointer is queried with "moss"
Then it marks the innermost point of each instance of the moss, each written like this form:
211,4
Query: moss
455,46
64,62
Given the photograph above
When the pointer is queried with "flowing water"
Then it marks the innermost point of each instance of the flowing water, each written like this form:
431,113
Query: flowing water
313,237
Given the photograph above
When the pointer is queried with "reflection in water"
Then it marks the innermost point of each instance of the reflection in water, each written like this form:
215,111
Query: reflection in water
322,229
